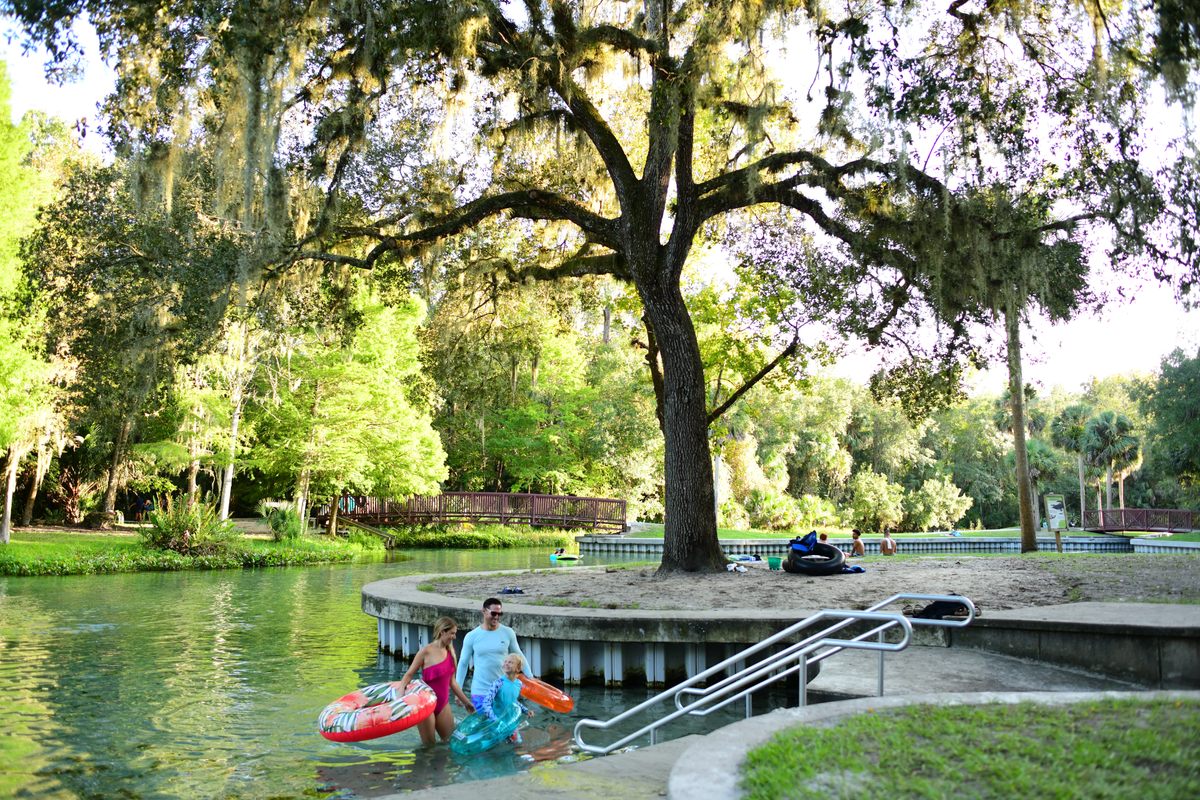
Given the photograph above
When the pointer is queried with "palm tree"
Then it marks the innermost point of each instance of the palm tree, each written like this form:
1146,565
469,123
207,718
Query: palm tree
1043,466
1125,467
1067,433
1110,441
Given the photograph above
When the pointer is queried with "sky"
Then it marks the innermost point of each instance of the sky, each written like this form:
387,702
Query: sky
1129,335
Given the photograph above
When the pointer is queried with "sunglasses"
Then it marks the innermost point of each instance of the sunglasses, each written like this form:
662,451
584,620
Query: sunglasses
496,613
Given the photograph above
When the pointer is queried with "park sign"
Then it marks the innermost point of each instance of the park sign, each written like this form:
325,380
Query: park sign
1056,512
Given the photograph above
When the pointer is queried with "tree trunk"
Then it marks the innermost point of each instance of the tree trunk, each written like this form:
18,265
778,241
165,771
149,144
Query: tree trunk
690,533
302,493
1108,481
10,487
607,323
1120,490
1016,388
1037,507
1082,490
39,474
110,492
193,471
227,475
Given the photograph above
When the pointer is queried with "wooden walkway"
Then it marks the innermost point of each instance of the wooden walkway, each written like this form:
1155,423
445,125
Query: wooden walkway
1169,520
537,510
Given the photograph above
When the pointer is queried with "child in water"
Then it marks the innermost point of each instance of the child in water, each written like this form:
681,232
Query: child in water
506,691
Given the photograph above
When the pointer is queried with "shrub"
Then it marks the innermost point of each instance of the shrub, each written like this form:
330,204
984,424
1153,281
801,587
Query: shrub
286,524
817,512
480,538
732,516
772,510
937,504
364,540
876,503
192,530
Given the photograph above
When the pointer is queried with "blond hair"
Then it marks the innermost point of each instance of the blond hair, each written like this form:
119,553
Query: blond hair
440,626
520,659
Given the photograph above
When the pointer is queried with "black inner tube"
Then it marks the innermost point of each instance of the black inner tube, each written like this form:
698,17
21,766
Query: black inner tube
824,560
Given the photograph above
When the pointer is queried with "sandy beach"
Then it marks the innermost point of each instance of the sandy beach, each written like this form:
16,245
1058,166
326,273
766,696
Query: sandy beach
994,582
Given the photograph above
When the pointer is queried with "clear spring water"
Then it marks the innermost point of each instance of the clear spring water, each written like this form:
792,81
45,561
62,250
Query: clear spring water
208,684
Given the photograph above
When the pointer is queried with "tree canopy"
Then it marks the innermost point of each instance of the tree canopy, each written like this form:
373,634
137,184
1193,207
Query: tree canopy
943,154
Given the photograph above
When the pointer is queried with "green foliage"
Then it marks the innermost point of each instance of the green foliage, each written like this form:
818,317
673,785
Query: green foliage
968,447
937,504
1110,443
94,554
876,503
364,540
192,529
531,401
772,510
1173,403
817,512
336,414
732,514
286,524
479,538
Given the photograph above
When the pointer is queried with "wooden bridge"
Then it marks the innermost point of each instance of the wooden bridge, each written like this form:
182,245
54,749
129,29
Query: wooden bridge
538,510
1168,520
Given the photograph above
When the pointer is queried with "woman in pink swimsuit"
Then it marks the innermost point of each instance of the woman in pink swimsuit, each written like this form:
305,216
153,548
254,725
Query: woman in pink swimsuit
437,663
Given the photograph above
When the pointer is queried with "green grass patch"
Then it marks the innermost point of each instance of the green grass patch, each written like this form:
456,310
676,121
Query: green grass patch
1181,537
1102,749
34,553
480,537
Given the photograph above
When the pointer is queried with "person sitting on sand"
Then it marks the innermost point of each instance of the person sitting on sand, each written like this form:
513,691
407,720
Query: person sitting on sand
887,545
856,546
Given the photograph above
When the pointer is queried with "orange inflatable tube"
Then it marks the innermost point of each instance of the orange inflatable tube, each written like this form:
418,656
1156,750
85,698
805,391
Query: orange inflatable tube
545,695
377,710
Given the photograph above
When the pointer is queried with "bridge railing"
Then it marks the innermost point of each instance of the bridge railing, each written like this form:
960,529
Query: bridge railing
565,511
1140,519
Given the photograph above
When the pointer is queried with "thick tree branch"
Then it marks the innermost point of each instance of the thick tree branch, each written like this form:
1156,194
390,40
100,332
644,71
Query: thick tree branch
656,371
616,38
528,203
787,352
687,218
556,73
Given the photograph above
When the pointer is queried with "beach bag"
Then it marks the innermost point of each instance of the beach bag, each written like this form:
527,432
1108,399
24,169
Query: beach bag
803,545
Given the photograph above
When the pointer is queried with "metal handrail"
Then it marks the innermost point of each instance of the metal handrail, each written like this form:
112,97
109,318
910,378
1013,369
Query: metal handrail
791,659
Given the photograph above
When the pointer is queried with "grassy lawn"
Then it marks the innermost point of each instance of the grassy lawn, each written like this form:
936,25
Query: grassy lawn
1101,749
39,545
84,553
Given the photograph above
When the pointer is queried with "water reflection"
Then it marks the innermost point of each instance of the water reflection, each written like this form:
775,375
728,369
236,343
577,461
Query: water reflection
208,684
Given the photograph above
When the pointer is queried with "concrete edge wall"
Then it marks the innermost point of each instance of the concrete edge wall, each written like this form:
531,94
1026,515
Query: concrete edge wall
1160,657
1159,546
652,547
581,645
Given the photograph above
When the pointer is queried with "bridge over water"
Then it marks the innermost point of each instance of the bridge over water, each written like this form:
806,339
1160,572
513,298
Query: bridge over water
538,510
1166,520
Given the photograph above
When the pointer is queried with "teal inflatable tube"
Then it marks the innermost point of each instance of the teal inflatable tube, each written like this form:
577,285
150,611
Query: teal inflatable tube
479,732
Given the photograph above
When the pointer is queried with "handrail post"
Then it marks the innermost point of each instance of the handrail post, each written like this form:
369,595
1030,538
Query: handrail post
881,655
